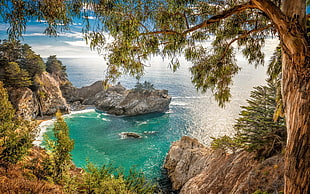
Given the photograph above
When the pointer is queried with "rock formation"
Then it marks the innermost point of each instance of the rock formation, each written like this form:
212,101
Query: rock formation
120,101
50,95
196,169
25,102
46,99
117,99
129,134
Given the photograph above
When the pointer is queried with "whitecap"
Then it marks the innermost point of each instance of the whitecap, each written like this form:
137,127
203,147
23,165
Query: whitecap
173,103
42,128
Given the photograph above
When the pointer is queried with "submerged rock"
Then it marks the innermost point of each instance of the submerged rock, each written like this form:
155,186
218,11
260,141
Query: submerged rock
130,134
194,168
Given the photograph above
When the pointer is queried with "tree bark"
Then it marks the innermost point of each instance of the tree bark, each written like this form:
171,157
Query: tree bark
290,24
296,98
295,91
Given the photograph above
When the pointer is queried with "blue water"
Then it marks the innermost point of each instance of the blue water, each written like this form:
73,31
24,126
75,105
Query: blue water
96,135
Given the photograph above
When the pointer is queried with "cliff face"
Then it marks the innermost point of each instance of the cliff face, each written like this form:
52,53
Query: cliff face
45,100
25,102
194,168
50,95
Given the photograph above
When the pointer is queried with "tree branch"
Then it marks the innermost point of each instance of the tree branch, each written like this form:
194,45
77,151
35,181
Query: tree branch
244,36
225,14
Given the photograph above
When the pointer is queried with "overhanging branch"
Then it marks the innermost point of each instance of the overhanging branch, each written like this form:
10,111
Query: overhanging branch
225,14
244,36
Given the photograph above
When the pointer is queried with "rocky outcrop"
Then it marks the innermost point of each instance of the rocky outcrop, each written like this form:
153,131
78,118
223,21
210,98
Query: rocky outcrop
117,99
46,99
25,103
120,101
49,95
196,169
84,95
125,135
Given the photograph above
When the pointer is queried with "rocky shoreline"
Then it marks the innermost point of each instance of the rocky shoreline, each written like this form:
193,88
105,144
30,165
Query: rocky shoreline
196,169
52,94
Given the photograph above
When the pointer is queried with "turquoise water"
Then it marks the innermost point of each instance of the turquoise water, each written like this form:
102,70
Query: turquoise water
97,138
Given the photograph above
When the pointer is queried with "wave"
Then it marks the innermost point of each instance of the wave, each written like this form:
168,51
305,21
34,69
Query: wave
42,128
178,103
188,97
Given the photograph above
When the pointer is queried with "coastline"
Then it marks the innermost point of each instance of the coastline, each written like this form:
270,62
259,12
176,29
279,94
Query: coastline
47,121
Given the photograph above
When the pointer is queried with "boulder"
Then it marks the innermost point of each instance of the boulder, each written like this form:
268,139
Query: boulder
194,168
130,134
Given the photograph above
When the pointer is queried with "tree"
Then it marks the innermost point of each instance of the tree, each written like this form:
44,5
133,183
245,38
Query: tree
32,62
19,64
59,149
55,66
169,27
16,77
16,136
256,129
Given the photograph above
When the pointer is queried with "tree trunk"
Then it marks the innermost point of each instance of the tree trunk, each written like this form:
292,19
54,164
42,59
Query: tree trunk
290,24
295,90
296,98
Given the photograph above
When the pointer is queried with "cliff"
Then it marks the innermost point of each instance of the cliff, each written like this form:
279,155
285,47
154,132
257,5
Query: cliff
46,99
196,169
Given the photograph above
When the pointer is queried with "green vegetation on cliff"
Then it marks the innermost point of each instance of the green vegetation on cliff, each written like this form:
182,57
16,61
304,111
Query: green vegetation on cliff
16,135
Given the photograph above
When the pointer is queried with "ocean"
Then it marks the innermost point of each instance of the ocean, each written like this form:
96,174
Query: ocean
97,135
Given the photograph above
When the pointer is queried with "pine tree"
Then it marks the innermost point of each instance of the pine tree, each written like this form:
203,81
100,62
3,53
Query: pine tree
55,66
256,129
15,76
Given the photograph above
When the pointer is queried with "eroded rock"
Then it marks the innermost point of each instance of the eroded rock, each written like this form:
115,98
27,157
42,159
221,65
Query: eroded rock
196,169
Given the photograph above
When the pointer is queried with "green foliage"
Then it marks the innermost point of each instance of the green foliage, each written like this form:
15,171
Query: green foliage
55,66
142,28
16,136
19,64
260,192
59,150
15,77
256,130
145,86
110,180
225,143
32,62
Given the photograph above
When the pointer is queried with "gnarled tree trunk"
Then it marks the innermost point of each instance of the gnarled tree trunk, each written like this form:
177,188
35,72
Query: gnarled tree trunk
291,26
296,98
295,88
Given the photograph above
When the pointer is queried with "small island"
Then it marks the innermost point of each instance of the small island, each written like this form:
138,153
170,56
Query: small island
118,100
